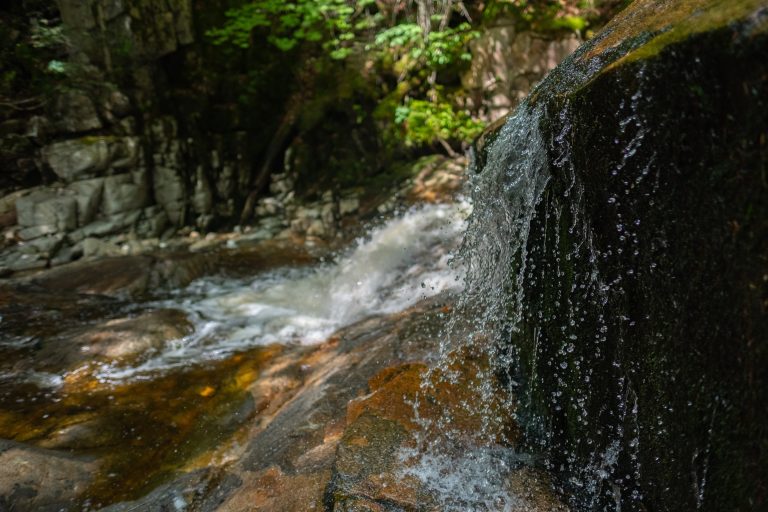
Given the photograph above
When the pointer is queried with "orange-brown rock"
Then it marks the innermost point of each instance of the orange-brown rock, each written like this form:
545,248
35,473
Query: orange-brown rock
414,396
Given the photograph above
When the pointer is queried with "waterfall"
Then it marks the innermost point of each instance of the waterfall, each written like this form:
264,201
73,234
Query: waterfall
471,474
613,257
537,303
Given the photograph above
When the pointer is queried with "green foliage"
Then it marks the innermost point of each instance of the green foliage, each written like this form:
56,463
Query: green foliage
426,122
44,36
570,23
543,15
414,64
405,70
333,24
439,49
28,57
421,116
399,47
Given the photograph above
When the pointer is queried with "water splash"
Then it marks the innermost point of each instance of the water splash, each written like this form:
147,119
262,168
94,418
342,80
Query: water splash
395,266
534,271
470,479
494,254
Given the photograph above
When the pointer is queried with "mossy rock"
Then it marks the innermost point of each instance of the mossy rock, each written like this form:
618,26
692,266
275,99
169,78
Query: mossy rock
645,286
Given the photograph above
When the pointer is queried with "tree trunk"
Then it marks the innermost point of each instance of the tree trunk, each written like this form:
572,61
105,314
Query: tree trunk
425,9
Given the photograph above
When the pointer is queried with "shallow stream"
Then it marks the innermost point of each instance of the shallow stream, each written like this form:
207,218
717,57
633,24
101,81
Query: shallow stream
154,387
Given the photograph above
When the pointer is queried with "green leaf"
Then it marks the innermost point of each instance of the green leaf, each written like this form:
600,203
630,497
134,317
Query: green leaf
314,36
283,43
57,66
340,53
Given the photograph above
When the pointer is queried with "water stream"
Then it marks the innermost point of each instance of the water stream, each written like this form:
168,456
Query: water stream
470,471
395,265
148,412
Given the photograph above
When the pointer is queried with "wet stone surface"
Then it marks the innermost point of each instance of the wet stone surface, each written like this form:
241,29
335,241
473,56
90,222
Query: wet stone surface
277,427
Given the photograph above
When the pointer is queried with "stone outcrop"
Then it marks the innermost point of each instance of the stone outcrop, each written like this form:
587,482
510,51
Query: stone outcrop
49,210
112,222
38,479
106,30
641,289
108,148
506,64
90,156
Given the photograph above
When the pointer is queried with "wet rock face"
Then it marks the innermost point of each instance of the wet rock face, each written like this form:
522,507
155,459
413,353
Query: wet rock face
121,339
74,333
82,442
643,335
374,470
37,479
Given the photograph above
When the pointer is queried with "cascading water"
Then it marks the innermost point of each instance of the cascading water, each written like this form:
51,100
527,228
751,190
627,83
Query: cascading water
525,238
396,265
607,277
504,266
472,474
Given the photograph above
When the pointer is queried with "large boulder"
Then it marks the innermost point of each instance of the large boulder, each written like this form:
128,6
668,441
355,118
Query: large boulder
74,111
41,480
73,159
626,200
170,193
125,192
77,14
88,196
8,207
56,209
86,157
139,31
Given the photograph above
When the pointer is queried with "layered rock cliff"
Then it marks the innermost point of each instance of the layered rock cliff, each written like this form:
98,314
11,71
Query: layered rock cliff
143,127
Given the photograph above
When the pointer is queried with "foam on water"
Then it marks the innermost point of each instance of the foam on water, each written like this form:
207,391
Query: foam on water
472,480
396,265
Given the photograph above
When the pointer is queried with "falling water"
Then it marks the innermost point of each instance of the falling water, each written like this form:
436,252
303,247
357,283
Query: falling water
471,474
534,274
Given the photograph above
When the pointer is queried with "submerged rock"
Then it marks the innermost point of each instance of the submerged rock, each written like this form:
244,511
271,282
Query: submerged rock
124,338
633,181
